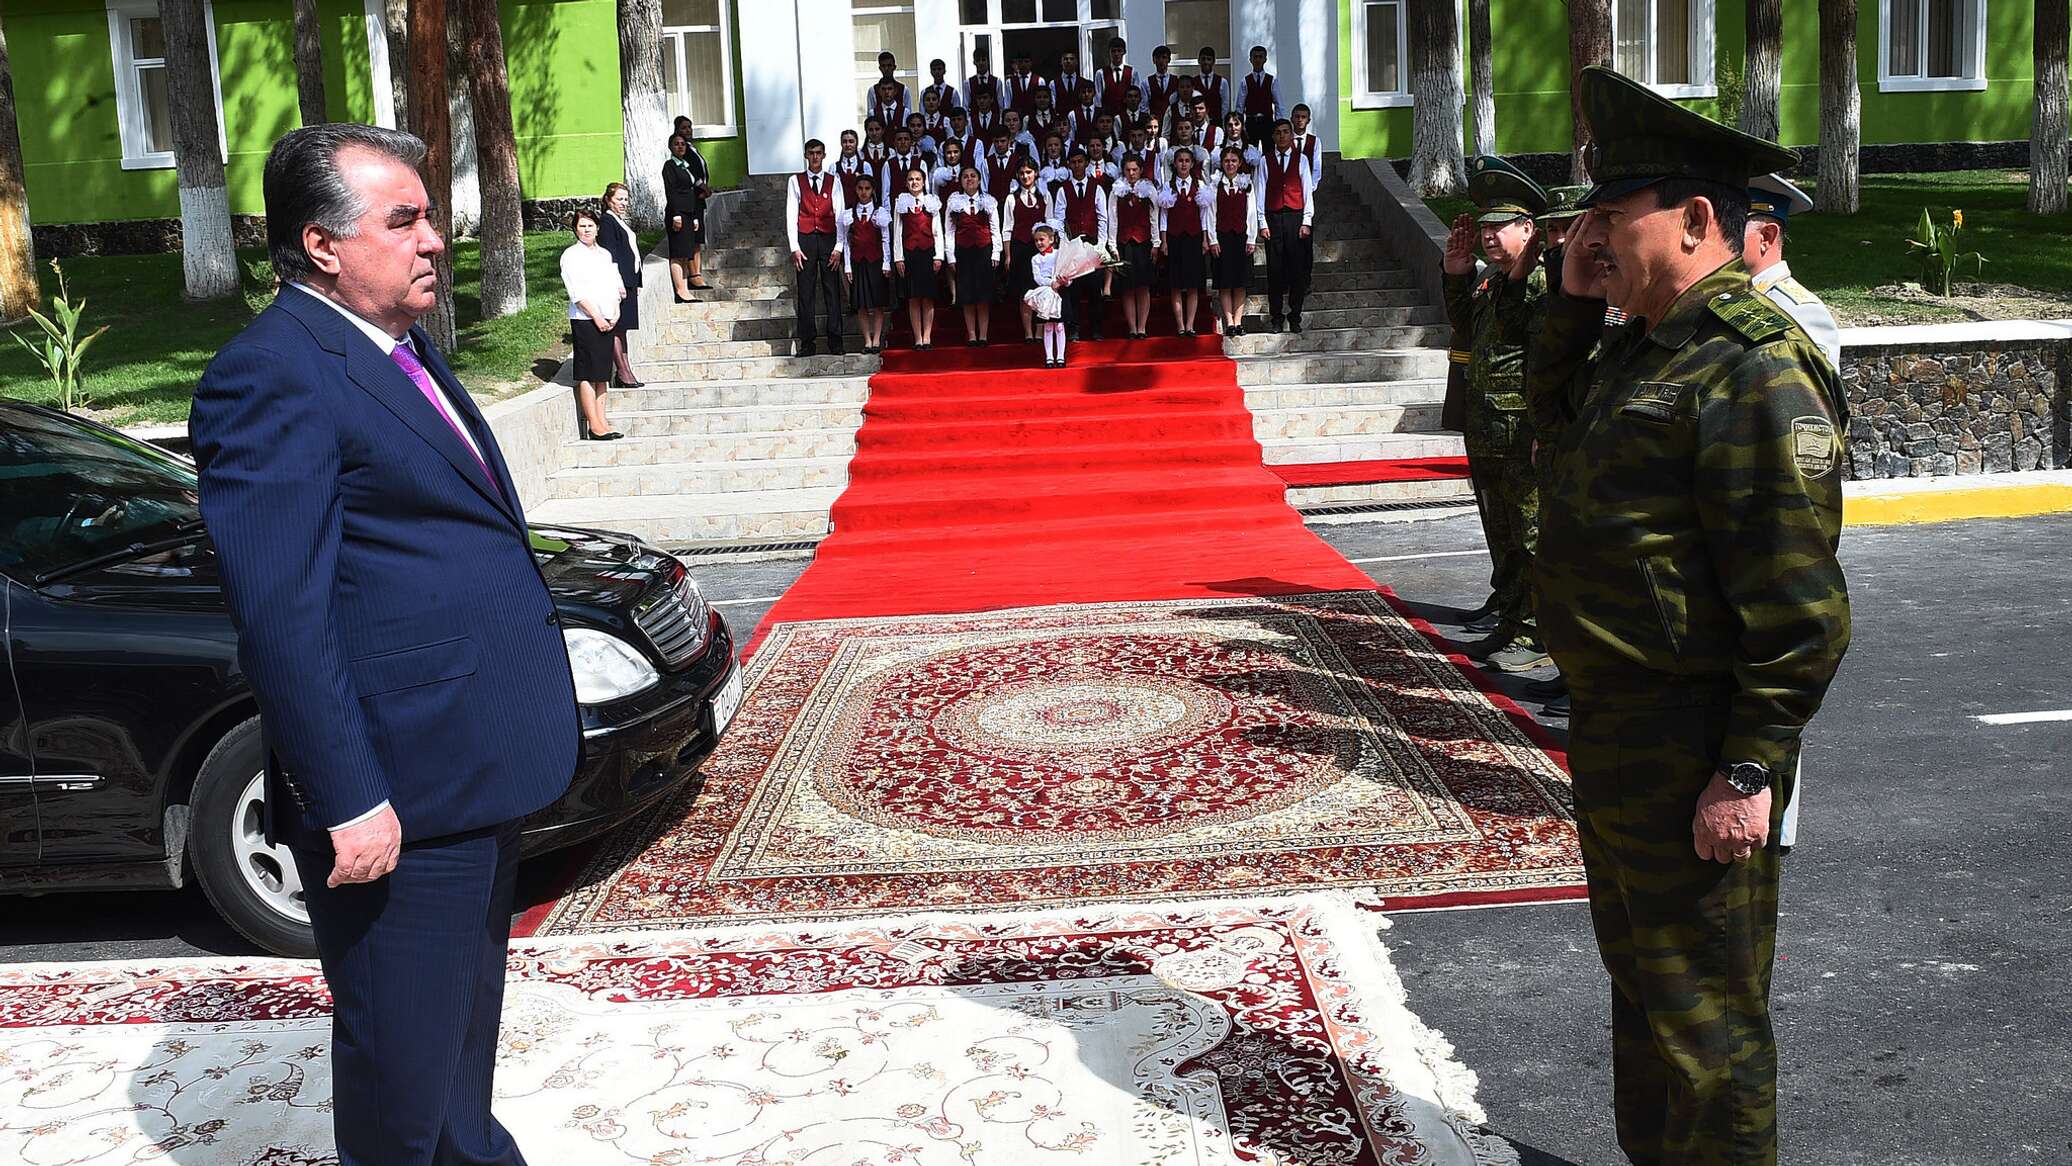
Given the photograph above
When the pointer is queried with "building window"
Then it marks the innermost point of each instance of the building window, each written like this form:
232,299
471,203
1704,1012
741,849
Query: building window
884,26
1189,26
1381,55
1666,44
143,109
698,65
1931,45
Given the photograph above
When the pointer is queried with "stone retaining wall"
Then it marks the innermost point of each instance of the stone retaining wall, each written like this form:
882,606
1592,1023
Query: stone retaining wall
1920,409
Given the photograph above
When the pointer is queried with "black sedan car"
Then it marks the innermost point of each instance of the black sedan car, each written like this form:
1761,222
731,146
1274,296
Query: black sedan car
130,753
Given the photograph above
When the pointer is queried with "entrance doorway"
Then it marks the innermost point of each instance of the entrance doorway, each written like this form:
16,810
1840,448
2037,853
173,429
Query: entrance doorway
1044,45
1046,29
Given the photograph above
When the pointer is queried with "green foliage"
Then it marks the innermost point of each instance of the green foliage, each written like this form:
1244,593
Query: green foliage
1934,248
1733,85
63,350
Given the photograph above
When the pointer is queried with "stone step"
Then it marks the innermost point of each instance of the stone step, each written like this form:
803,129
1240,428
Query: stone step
1438,490
1351,393
780,305
710,447
737,419
664,339
720,477
1336,340
1340,367
687,369
738,394
1356,274
753,259
1344,421
1365,447
682,518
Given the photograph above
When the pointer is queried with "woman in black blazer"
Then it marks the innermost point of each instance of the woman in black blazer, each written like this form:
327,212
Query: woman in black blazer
615,234
685,186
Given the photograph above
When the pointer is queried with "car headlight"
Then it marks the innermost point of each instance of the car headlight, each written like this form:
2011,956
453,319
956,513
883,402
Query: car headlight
605,666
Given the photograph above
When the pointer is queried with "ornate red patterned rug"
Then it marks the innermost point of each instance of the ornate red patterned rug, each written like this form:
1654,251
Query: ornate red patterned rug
1210,1034
1166,750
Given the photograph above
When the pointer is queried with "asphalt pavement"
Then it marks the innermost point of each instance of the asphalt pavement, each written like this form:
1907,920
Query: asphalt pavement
1922,997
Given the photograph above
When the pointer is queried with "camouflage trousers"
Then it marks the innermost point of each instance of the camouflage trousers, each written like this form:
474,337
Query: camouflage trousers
1507,493
1689,943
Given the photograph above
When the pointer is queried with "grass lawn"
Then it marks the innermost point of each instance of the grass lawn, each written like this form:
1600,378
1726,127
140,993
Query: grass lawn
1843,257
143,371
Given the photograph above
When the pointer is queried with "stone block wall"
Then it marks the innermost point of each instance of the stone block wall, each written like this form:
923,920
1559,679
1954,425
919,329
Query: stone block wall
1966,408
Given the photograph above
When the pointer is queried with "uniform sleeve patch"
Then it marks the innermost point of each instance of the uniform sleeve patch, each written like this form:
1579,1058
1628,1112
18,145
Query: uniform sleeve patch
1814,446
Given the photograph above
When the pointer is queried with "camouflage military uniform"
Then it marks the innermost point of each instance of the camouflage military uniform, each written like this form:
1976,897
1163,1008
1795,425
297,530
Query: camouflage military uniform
1499,312
1689,590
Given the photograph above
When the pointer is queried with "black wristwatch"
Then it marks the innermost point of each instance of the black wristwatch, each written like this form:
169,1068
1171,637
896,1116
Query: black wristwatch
1748,777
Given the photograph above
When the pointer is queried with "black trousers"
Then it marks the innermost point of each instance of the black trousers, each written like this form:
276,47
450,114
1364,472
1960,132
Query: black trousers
819,284
1084,304
1289,257
1258,129
415,962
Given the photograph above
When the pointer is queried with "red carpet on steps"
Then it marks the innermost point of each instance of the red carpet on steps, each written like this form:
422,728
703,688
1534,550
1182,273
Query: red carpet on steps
1410,469
983,481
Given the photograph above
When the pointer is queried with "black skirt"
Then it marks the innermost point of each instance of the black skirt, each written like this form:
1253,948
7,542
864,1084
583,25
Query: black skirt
629,311
919,282
974,275
1186,263
684,242
1019,280
1142,269
593,351
1233,268
871,290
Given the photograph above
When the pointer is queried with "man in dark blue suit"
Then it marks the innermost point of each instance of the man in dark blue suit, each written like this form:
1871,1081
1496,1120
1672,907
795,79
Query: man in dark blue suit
410,670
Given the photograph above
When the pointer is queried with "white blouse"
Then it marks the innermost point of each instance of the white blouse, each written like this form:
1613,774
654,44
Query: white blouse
907,204
590,273
979,204
848,219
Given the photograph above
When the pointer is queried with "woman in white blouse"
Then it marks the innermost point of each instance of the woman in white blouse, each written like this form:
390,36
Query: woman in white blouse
971,228
591,276
917,254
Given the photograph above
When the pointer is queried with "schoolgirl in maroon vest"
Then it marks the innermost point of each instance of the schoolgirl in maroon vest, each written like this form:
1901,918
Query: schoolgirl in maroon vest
1025,206
1237,235
943,179
973,230
1133,221
849,166
917,247
867,261
1187,215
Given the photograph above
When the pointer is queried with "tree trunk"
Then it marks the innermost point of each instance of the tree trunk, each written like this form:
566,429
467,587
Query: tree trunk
1841,109
1436,165
395,27
496,157
647,108
426,70
18,288
460,123
1589,43
2047,145
1481,80
309,61
208,257
1762,73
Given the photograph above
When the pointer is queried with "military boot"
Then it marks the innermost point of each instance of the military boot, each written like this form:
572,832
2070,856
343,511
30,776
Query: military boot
1522,654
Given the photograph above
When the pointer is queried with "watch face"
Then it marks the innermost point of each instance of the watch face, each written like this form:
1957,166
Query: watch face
1749,777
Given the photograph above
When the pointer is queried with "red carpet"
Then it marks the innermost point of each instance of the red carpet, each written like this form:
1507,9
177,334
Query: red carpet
982,481
1414,469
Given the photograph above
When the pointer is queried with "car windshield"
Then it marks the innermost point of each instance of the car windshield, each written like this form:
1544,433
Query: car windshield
70,491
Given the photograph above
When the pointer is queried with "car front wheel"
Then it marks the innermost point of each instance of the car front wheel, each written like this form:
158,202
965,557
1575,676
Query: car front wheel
252,883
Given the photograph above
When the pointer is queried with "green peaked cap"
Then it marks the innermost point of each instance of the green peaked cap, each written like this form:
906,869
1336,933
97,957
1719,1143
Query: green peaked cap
1639,137
1501,191
1562,203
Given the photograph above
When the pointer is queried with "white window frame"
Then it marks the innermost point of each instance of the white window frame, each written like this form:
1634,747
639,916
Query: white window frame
672,39
1364,95
129,98
1704,66
1888,82
380,79
910,74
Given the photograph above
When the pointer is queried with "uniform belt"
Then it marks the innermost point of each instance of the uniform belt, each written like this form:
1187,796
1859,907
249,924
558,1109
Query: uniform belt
1648,690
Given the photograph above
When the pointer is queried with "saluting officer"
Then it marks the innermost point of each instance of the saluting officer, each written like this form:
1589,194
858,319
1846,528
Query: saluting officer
1689,589
1496,311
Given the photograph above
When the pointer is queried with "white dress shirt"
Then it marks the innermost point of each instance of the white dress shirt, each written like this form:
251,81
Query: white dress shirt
791,205
590,273
1309,183
1083,187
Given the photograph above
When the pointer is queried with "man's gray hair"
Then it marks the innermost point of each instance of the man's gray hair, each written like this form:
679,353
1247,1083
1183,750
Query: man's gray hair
303,185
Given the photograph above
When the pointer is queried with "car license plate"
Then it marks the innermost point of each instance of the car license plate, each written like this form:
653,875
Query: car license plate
727,702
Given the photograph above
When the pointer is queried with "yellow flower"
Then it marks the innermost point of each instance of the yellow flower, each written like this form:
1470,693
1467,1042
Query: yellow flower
1957,217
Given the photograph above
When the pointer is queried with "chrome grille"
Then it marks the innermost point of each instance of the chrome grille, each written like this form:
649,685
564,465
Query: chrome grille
674,619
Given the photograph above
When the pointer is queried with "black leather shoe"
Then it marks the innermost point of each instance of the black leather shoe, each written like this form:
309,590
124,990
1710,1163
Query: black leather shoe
834,346
1483,624
1275,324
1295,325
1548,689
1488,605
1558,707
806,348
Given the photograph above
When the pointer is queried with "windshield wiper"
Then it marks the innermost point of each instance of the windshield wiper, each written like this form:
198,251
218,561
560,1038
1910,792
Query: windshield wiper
184,533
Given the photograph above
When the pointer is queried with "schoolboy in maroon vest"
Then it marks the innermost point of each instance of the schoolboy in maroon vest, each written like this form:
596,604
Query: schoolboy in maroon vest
947,96
997,167
1084,113
1261,94
887,105
1207,133
888,71
1161,86
959,130
1022,84
849,165
1081,204
813,199
1141,144
1286,188
983,80
903,157
1045,117
1209,83
1064,90
1112,84
984,115
1133,110
1306,141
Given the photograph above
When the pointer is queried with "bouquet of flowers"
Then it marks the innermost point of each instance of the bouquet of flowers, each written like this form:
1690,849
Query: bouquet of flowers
1077,257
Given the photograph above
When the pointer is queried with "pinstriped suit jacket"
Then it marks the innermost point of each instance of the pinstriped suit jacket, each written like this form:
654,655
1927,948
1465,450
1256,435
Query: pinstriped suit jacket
391,618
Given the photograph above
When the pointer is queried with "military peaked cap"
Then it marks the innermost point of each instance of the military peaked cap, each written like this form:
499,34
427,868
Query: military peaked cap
1639,137
1501,191
1770,194
1562,203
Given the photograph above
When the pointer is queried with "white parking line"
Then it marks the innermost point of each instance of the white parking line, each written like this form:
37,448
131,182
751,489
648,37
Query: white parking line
2025,718
1426,555
739,602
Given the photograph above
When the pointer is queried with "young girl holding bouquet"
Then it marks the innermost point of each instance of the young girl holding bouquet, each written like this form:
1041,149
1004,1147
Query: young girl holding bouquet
1047,297
867,261
1237,238
917,254
1187,210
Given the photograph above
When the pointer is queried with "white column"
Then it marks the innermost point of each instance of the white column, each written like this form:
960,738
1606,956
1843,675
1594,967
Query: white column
827,69
936,34
770,87
1143,23
1306,60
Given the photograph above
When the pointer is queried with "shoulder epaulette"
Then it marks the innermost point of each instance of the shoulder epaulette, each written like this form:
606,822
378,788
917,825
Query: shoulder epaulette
1750,314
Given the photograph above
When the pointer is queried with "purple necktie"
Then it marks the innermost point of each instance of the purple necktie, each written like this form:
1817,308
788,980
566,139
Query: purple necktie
406,359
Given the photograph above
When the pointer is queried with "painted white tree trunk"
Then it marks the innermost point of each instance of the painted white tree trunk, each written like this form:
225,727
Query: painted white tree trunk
1436,163
460,116
1841,110
208,258
2047,144
496,161
1481,80
1763,73
647,108
395,23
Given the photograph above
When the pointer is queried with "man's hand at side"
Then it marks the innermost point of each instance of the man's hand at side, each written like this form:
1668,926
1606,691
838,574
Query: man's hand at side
366,851
1730,825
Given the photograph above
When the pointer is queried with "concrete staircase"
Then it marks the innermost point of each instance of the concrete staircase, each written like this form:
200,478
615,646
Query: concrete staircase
735,439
